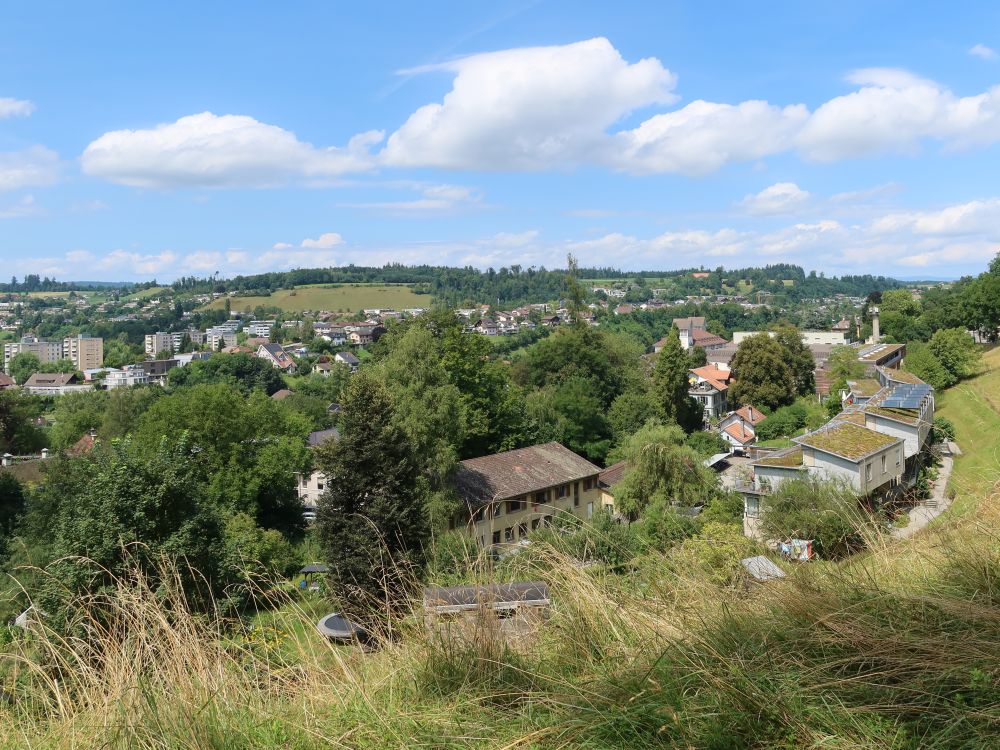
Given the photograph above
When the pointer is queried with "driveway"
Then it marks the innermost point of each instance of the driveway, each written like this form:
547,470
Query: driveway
932,507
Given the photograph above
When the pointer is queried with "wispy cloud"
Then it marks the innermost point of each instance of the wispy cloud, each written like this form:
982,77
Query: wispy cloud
983,52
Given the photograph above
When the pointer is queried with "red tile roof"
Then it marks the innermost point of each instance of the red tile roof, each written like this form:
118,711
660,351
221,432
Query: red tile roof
751,415
613,474
739,432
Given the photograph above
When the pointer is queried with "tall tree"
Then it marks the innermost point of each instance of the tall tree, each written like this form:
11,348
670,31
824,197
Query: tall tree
799,358
955,351
671,385
370,523
763,376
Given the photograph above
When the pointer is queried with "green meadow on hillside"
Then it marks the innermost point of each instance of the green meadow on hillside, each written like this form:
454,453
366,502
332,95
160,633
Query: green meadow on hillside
334,298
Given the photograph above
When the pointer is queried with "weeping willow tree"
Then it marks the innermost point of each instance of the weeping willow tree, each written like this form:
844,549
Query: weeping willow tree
661,471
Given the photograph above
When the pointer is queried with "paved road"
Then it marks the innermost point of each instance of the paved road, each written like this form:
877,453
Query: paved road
931,508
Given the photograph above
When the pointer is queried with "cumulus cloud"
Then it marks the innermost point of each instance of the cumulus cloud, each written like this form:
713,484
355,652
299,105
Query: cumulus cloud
324,241
138,264
975,217
208,150
557,107
15,107
983,52
704,136
35,166
529,108
779,198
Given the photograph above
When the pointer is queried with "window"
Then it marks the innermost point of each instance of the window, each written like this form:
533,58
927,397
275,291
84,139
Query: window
534,523
522,530
899,456
480,515
868,472
497,509
562,492
751,506
514,506
496,537
508,534
884,459
541,497
590,510
319,486
576,500
589,483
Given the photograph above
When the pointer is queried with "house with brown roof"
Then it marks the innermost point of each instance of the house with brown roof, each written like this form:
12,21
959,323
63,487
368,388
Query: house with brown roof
607,480
6,381
508,495
54,384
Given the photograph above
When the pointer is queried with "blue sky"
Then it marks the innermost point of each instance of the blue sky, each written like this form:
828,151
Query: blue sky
142,140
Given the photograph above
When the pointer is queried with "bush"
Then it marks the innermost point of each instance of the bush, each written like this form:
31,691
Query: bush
943,430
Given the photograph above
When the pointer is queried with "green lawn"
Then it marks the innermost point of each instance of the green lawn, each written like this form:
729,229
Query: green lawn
974,408
334,298
147,293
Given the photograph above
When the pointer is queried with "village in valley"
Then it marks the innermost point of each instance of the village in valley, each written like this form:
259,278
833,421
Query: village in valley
499,376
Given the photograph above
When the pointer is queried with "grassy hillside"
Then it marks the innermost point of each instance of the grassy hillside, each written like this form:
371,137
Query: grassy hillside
974,408
899,649
344,298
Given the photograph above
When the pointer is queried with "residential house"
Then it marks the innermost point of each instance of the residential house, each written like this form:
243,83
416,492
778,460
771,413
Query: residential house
607,480
310,486
347,358
869,462
624,309
508,495
882,355
709,387
364,335
739,428
277,356
54,384
6,381
281,394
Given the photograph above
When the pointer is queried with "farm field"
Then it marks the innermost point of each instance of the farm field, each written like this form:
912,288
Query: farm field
147,293
345,298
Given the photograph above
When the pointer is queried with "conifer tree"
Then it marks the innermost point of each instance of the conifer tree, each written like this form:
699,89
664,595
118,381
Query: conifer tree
670,384
371,523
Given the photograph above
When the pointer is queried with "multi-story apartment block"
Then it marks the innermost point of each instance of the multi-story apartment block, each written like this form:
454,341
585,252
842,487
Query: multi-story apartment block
159,342
84,351
508,495
220,337
46,351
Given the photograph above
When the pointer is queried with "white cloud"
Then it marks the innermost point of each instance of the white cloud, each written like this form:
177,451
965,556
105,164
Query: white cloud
435,199
867,194
208,150
704,136
893,112
124,262
324,241
15,107
983,52
529,108
511,239
22,209
35,166
282,246
779,198
975,217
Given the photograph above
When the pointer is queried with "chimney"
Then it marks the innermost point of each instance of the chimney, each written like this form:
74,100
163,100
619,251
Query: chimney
875,330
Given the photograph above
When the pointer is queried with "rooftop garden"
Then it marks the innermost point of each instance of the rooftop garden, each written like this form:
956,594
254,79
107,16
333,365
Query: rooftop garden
848,440
788,459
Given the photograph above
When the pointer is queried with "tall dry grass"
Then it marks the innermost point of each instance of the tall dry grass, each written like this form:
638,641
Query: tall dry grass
900,648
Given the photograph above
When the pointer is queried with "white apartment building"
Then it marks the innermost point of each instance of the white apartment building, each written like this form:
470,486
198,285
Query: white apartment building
127,376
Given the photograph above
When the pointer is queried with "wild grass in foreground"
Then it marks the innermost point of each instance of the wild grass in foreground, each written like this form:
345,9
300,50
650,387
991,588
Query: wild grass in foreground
875,654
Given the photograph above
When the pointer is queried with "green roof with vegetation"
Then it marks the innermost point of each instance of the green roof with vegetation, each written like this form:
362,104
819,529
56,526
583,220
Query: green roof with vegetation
848,440
857,417
902,376
866,387
910,416
787,459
